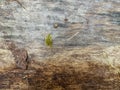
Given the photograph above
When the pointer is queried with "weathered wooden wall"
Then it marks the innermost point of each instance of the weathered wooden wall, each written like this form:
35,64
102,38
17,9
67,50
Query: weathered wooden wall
86,47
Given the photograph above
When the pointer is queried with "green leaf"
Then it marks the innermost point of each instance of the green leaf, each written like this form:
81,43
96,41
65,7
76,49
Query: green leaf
49,40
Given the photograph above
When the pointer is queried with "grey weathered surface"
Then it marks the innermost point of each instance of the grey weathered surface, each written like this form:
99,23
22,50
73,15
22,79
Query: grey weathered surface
29,26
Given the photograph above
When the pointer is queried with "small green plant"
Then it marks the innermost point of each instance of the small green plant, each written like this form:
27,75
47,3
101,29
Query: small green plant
49,40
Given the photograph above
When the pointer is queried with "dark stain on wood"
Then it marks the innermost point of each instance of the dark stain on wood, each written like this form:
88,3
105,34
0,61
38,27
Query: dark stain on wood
20,54
65,77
